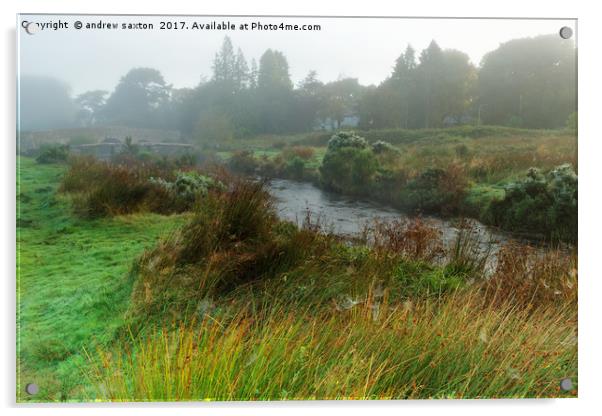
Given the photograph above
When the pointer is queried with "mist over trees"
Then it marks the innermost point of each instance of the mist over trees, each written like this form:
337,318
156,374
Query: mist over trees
45,103
141,98
528,82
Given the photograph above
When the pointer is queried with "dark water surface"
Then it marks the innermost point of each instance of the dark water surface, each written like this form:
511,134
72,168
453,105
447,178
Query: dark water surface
347,216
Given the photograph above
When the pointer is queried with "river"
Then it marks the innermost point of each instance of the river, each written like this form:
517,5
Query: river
347,216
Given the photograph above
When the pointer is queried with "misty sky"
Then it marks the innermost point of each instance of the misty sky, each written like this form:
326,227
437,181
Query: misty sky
361,48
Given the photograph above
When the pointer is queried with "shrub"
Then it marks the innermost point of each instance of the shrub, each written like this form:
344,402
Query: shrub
243,162
186,188
119,191
83,173
545,204
386,153
106,189
295,168
380,147
346,139
435,190
53,154
349,164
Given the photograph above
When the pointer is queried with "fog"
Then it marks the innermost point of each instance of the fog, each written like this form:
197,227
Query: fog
362,48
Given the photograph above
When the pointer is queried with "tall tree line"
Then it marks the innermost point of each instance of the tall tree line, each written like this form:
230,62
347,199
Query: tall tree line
526,82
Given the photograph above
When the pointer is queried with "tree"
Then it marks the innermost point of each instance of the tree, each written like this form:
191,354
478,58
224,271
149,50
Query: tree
224,64
529,81
309,101
253,74
91,104
139,99
391,103
241,72
274,93
456,86
423,94
273,73
429,78
342,98
403,79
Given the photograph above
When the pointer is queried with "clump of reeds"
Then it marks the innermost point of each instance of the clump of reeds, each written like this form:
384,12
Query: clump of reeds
232,239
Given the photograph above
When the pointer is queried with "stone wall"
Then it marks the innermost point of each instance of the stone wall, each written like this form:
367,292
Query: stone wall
104,151
33,139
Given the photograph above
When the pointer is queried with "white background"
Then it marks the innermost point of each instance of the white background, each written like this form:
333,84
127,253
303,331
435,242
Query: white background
590,195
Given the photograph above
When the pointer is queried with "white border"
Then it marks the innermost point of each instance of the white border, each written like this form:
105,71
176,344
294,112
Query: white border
590,144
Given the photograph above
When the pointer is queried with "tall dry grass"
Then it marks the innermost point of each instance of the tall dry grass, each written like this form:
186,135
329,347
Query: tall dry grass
459,346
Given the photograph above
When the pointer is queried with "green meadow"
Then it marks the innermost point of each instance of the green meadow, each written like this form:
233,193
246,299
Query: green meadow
72,279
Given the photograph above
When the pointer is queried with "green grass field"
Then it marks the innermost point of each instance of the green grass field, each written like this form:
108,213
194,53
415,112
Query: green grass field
72,279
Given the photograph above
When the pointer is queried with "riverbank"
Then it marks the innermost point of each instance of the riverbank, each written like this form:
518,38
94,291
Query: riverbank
499,180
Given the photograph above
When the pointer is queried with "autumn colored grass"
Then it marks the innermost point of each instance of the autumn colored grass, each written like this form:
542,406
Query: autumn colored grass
235,316
229,303
454,347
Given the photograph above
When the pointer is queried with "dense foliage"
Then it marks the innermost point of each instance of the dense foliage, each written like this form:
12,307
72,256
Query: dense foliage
349,164
540,203
53,154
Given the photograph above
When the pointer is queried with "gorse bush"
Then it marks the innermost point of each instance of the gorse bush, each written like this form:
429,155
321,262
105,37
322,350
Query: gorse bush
540,203
352,166
187,188
381,146
346,139
387,154
349,164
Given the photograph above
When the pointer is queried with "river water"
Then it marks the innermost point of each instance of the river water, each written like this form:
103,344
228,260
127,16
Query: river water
347,216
